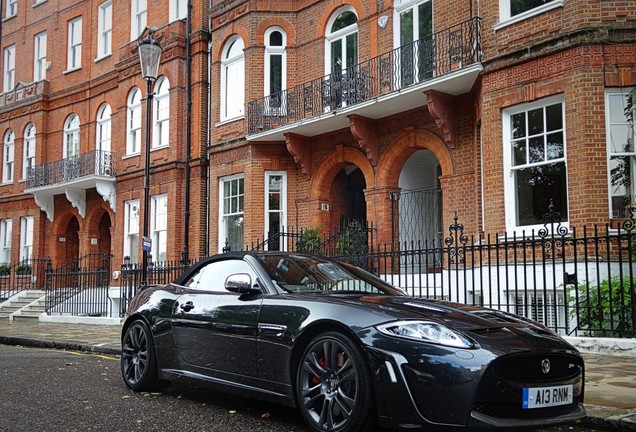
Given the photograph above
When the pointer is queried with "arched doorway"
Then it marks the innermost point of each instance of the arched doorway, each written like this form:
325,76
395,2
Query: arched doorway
420,203
72,240
347,197
104,241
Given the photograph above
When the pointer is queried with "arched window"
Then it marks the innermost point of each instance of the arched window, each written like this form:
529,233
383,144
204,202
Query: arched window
103,132
233,79
342,41
133,122
8,156
275,64
28,153
71,137
161,115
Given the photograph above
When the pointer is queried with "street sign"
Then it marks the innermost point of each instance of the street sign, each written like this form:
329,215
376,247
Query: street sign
146,244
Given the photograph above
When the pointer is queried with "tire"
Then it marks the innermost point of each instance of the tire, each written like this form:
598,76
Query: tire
139,359
333,386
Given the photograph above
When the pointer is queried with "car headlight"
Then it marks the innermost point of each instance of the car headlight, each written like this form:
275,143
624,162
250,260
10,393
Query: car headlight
426,331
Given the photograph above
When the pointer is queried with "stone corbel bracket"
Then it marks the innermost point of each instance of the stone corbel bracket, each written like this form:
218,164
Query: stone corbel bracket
364,131
440,106
298,147
45,202
77,198
107,191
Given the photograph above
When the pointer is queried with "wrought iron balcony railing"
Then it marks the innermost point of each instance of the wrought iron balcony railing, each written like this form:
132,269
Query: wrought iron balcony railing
93,163
430,57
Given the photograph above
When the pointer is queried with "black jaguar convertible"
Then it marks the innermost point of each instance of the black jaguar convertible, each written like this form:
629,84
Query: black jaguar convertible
348,349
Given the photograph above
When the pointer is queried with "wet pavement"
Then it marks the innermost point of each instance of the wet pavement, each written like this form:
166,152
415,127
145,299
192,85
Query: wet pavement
610,391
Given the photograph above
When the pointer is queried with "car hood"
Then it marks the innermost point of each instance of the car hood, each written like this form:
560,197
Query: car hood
490,328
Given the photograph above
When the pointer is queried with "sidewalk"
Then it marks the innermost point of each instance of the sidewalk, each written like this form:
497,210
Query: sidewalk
610,390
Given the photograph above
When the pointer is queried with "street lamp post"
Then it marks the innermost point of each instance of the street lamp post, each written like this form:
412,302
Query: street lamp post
149,58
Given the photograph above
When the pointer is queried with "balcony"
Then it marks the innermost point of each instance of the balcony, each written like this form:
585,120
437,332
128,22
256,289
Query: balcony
447,62
73,176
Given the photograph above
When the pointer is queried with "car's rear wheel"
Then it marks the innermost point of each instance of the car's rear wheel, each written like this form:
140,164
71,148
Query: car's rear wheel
333,385
139,359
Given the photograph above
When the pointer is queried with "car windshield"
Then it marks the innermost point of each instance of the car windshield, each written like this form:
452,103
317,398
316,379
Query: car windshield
299,273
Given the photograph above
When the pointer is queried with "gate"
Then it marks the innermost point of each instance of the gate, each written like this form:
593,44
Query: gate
79,287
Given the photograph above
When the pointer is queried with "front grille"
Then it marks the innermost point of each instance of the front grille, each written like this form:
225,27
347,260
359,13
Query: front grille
528,368
501,387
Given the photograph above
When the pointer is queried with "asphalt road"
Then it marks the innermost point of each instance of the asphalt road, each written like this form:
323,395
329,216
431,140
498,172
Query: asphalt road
52,390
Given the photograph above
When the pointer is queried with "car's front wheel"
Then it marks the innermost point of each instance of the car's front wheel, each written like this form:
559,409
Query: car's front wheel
333,385
138,359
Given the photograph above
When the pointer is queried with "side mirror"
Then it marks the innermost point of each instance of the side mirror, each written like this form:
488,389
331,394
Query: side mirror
240,283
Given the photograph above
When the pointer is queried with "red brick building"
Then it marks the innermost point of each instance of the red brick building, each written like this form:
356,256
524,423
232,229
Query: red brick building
306,113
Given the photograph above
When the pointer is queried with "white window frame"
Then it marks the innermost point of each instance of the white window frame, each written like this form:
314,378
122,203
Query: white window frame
510,191
131,230
282,211
133,122
26,238
233,79
9,68
74,57
105,30
275,51
72,145
138,18
12,9
505,19
532,305
6,232
614,128
159,227
178,10
161,114
238,212
8,157
28,152
39,56
340,35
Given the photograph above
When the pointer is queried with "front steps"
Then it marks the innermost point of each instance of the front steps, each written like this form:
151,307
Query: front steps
27,305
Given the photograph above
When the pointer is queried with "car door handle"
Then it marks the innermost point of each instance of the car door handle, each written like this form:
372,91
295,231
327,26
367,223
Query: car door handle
188,306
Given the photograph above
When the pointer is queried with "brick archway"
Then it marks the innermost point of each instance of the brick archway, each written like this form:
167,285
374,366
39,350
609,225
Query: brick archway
398,152
324,176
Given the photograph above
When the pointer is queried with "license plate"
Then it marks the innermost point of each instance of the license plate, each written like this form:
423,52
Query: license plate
541,397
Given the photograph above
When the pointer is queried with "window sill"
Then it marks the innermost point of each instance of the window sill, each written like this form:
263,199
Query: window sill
103,57
230,120
39,2
131,155
68,71
7,18
161,147
528,14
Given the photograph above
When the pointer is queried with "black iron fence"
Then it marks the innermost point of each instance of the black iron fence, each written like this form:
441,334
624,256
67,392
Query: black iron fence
80,287
25,275
432,56
577,282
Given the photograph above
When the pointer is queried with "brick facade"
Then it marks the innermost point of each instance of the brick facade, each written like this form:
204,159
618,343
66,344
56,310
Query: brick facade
576,49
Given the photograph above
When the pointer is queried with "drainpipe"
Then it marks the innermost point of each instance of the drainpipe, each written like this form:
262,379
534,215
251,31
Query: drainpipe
186,241
209,134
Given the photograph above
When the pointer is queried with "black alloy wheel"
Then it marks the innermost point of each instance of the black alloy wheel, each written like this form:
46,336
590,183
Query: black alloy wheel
138,359
333,386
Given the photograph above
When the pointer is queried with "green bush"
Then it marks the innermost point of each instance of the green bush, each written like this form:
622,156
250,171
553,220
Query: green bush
606,309
309,241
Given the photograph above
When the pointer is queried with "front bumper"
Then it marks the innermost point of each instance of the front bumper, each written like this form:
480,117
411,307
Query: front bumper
432,388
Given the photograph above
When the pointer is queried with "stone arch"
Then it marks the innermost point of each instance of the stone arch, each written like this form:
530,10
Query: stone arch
325,174
403,147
